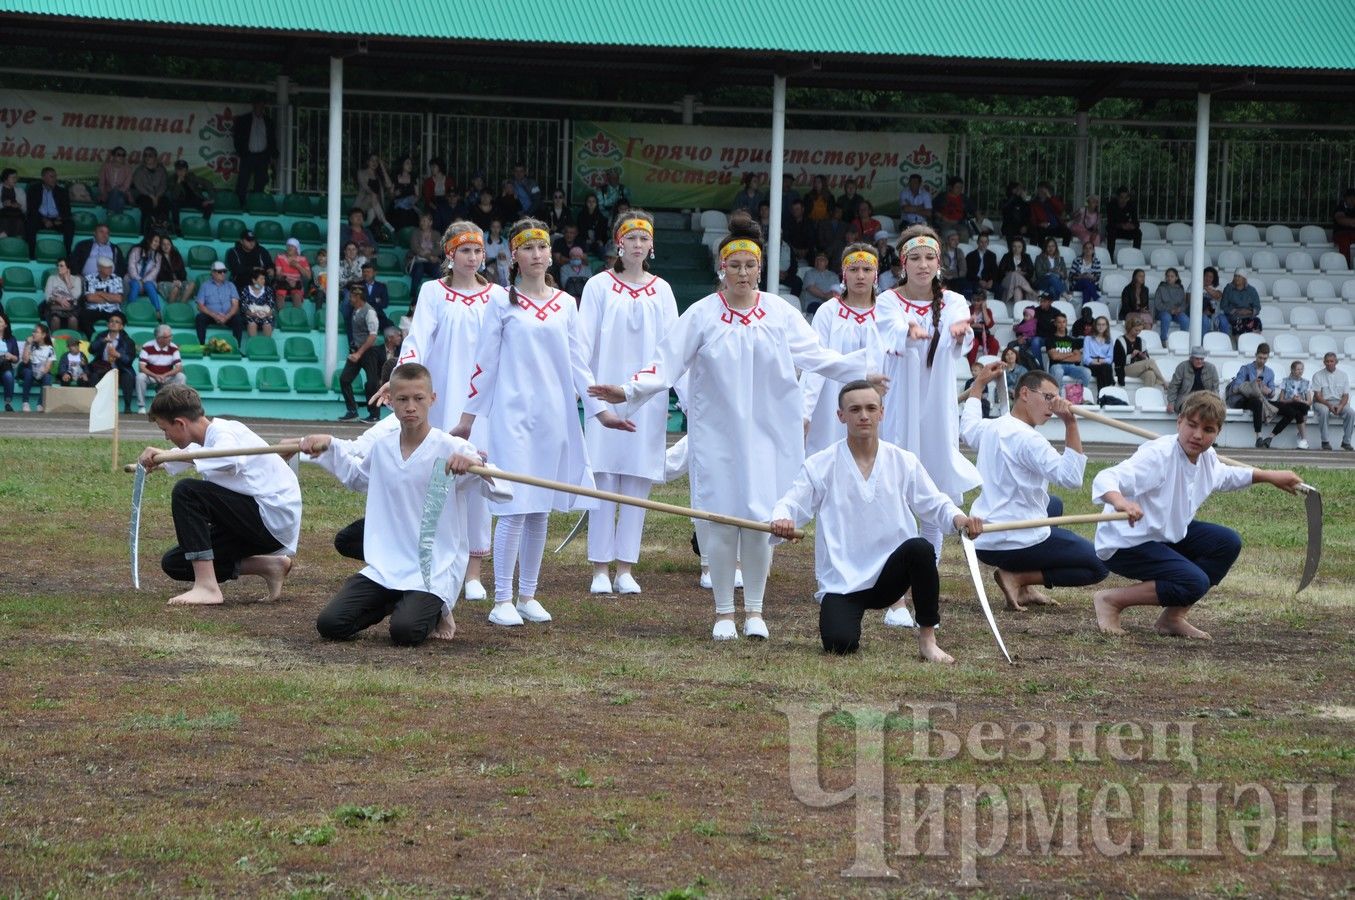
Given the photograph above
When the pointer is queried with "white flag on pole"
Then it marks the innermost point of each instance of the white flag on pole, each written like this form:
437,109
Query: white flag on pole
103,412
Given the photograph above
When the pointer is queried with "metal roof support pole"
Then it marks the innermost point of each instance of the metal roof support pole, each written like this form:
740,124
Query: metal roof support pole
1198,217
773,260
1080,158
282,170
334,196
688,109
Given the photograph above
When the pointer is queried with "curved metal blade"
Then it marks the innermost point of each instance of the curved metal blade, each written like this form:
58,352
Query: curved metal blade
134,525
573,532
1312,502
972,558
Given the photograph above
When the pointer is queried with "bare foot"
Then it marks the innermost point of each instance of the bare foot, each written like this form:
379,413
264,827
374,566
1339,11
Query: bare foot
932,653
446,629
198,596
1036,597
1174,624
1107,615
1010,592
273,570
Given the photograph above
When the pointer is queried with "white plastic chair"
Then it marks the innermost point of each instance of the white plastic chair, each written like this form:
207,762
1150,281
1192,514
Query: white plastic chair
1111,390
1247,235
1349,347
1130,258
1103,255
1164,257
1067,254
1190,257
1286,344
1271,316
1150,399
1334,262
1247,344
1151,231
1067,309
1214,233
1178,343
1286,289
1263,261
1348,290
1019,307
1314,236
1304,318
1319,345
1151,341
714,219
1320,290
1300,261
1231,260
1098,309
1217,343
999,310
1339,318
1178,233
1280,236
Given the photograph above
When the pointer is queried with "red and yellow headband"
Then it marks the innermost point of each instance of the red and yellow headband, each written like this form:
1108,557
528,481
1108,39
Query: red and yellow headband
465,237
922,240
742,245
861,256
629,225
528,234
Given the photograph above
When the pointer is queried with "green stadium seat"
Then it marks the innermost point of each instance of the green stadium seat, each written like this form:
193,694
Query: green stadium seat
19,278
357,382
399,292
389,263
84,221
21,333
299,350
272,380
227,201
297,205
123,225
141,313
197,376
403,235
230,229
14,249
262,348
201,256
307,232
21,309
141,338
233,378
180,315
59,337
196,228
293,318
49,250
261,204
269,231
232,353
310,380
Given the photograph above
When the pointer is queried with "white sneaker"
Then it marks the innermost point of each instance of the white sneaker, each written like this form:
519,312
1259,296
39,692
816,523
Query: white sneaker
1303,444
26,409
754,627
532,611
474,590
39,407
626,584
725,631
899,618
738,579
601,584
503,613
705,580
141,410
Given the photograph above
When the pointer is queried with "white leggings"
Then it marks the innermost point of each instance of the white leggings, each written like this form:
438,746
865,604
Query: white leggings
727,547
614,533
519,539
478,522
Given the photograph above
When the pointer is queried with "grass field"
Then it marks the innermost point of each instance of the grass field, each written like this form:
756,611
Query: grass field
620,752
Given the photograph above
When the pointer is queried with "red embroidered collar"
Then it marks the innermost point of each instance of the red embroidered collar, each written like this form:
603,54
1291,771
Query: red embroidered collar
909,305
481,295
544,311
846,312
620,287
745,317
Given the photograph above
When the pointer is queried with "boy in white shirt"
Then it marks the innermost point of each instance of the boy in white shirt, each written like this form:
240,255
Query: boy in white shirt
395,472
867,494
1017,463
242,518
1175,558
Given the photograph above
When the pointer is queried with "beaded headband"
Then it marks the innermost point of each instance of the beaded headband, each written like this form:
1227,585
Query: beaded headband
921,240
861,256
528,234
465,237
742,245
629,225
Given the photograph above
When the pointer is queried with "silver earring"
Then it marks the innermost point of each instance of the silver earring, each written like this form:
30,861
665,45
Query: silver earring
651,252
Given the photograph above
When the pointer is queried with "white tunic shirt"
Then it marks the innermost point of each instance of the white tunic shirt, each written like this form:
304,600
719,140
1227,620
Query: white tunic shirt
1016,464
743,401
1170,489
621,325
529,372
442,337
266,478
844,329
861,520
395,489
920,413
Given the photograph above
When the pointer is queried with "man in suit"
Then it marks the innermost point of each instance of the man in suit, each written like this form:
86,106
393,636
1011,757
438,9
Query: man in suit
256,146
981,265
378,297
49,209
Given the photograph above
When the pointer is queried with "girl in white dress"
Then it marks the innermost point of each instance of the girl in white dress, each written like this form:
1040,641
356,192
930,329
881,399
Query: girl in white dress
740,348
528,372
623,314
844,324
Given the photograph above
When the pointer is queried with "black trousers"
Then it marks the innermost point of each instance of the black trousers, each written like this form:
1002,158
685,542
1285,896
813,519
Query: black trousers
253,168
362,603
202,322
349,540
152,211
1113,235
369,363
912,565
126,383
1290,411
1252,405
216,523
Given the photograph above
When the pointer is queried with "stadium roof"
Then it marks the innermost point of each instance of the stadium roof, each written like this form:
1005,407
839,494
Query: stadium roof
1090,48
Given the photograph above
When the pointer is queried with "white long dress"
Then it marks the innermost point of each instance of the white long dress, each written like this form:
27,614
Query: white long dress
743,401
443,337
529,371
621,324
922,407
845,329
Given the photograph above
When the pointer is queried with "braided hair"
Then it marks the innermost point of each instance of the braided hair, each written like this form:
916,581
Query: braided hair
520,226
452,231
937,285
633,213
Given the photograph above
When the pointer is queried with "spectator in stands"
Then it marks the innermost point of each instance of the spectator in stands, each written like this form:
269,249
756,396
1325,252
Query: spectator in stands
1214,318
1085,274
1195,374
113,351
9,360
819,202
115,181
1241,303
1131,359
501,270
357,233
175,285
483,212
1011,358
49,209
1122,221
574,274
1331,397
954,211
496,240
527,190
1135,301
1065,354
1296,397
436,189
404,195
1086,222
1016,272
508,206
1169,304
85,257
1015,212
377,295
291,272
619,213
13,206
915,203
350,267
982,323
800,233
563,246
1343,225
244,258
556,215
256,146
407,318
832,233
866,223
592,225
320,278
611,195
821,284
1051,272
103,296
748,198
457,204
1098,353
37,359
788,196
981,265
363,328
219,304
188,191
425,254
392,339
374,184
849,202
61,297
1252,389
790,278
143,271
73,369
1044,315
1047,216
259,304
954,266
159,363
150,190
1084,324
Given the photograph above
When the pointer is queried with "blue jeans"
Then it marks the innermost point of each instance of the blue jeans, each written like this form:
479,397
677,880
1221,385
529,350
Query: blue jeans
115,202
29,380
1078,373
1182,572
1216,322
1065,559
1053,284
137,287
1088,289
1164,323
7,382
